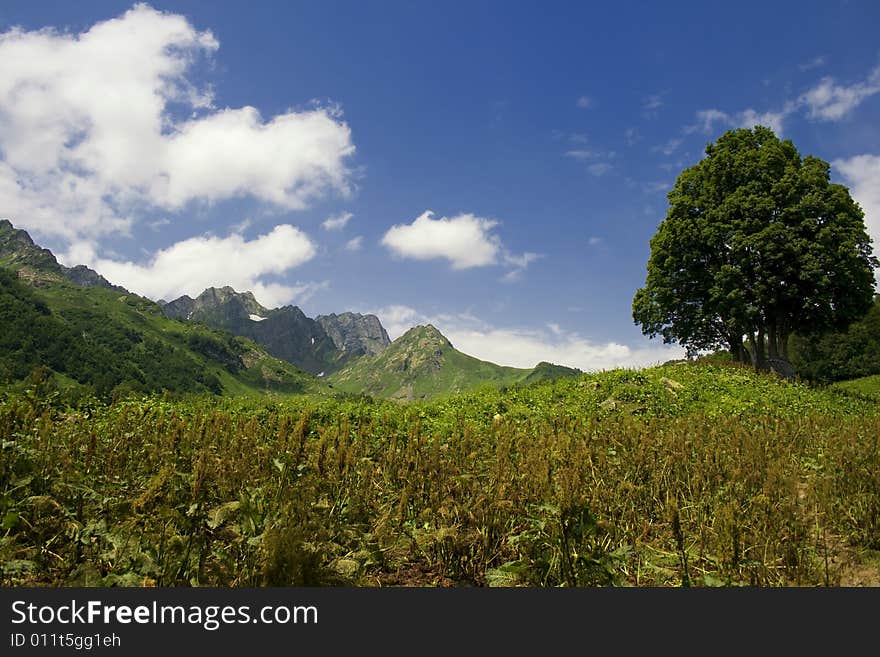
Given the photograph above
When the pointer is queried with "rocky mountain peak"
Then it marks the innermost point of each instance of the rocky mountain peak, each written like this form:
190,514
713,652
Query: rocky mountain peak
19,251
354,333
426,335
217,296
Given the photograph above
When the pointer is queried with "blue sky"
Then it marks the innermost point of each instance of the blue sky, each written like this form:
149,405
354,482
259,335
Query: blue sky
495,168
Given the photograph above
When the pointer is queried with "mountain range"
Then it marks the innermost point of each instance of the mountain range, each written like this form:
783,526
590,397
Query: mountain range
318,346
92,333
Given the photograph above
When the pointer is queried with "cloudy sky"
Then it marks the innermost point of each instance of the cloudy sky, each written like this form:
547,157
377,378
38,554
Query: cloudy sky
494,168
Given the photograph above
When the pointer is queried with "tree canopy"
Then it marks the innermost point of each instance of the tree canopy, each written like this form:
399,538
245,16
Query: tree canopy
757,243
840,355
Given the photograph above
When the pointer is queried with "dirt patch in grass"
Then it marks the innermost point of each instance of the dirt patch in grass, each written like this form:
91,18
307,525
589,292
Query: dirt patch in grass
851,567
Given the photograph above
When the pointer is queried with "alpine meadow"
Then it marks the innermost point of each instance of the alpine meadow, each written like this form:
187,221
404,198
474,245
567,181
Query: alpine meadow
636,345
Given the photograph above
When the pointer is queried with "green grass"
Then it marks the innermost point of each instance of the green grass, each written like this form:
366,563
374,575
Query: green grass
869,386
678,475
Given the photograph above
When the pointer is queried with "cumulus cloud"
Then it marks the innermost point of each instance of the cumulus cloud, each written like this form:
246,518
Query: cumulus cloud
337,222
862,173
190,266
465,240
584,102
100,127
519,347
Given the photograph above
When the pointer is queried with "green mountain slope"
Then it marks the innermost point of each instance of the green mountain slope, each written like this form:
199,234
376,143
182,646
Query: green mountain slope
100,341
98,337
545,371
418,365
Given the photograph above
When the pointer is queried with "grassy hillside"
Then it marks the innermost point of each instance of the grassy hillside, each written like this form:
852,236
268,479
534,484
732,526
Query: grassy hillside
679,475
675,390
418,365
868,386
545,371
106,343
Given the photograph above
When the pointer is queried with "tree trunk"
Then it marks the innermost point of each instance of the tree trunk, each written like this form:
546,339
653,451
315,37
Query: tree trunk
737,351
772,343
753,350
761,351
783,346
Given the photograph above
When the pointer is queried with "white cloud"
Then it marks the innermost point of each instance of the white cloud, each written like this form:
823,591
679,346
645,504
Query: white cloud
512,276
829,101
596,168
706,120
521,261
299,292
816,62
354,244
337,222
584,102
519,347
669,147
190,266
465,240
100,127
582,154
653,102
654,187
748,118
287,162
826,101
241,226
651,105
398,319
632,136
861,174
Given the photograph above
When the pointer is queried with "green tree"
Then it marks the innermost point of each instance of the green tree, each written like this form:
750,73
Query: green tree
757,243
840,355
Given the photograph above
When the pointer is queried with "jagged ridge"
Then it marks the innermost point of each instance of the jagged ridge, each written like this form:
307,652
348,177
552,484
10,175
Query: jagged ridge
18,251
318,346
